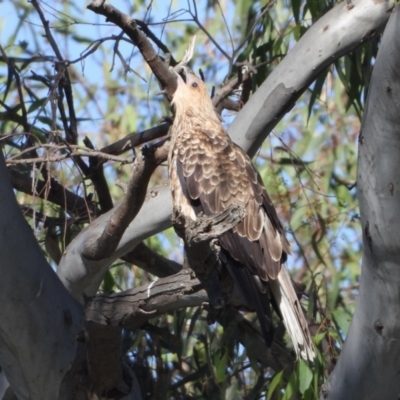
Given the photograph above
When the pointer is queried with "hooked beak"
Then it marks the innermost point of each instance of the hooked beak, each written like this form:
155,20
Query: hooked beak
182,72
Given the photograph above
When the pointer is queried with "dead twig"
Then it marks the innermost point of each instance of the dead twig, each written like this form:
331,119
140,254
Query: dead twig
76,151
56,193
166,78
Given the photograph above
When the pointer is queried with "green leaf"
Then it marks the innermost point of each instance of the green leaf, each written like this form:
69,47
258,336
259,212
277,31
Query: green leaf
342,320
318,337
220,366
47,121
193,320
296,10
305,376
290,389
108,282
276,381
36,104
316,91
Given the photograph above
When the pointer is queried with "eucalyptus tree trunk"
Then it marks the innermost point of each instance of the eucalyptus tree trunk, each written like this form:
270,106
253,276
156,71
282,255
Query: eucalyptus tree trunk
39,319
369,364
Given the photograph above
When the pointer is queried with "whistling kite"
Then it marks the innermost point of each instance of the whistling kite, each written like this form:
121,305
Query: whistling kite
208,172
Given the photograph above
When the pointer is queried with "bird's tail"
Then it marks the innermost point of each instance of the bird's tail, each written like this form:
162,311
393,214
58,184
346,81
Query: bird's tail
292,314
253,297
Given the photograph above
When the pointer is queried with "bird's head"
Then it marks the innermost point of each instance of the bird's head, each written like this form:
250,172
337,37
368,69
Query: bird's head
191,93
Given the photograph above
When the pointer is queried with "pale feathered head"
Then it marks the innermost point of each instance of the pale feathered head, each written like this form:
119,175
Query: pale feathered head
191,94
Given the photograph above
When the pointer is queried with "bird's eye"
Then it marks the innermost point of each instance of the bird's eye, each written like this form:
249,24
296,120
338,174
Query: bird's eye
195,84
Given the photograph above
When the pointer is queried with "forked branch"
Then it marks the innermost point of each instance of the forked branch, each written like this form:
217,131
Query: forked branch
101,247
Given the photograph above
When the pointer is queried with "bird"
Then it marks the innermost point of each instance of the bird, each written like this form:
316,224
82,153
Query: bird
208,172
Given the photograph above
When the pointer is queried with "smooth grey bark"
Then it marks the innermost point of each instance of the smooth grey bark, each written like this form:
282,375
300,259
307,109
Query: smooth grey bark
369,364
80,275
39,320
339,31
3,384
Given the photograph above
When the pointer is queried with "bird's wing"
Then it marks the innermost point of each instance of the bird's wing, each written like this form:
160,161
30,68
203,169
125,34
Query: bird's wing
215,173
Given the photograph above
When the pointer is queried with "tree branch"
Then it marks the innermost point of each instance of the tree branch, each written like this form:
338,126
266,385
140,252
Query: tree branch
339,31
101,247
65,82
152,262
134,307
136,139
56,193
109,376
201,249
73,152
96,174
130,27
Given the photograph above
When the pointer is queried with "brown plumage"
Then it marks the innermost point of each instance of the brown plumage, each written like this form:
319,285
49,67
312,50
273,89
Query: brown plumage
208,172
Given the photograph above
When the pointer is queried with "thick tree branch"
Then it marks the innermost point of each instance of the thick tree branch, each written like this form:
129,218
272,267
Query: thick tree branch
134,307
101,247
83,276
335,34
199,235
207,228
150,261
109,376
202,251
38,315
136,139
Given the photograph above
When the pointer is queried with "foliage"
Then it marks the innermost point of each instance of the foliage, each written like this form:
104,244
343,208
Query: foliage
308,165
